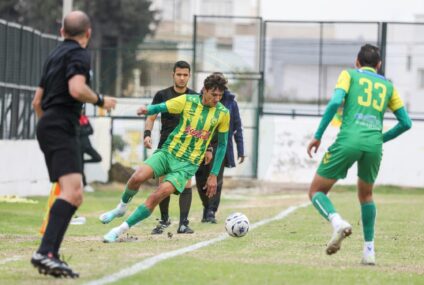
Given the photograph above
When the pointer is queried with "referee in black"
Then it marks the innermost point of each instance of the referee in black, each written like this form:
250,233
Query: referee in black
58,100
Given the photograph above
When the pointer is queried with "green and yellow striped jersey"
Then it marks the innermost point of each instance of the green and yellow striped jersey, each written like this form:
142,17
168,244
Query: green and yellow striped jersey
190,139
368,95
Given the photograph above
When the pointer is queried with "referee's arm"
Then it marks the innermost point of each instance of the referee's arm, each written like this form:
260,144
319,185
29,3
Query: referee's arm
80,91
36,102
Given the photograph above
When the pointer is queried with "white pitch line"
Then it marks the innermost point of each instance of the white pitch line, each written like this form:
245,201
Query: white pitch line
13,258
151,261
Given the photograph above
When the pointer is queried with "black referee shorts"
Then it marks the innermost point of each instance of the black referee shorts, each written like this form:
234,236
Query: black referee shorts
57,136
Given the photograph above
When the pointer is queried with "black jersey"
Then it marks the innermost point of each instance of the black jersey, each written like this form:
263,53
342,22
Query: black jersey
169,121
67,60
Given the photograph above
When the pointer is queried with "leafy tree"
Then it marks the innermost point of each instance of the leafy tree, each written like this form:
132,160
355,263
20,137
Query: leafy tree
119,26
118,143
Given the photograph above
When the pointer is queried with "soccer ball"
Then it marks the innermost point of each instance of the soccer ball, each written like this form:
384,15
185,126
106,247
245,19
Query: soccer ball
237,225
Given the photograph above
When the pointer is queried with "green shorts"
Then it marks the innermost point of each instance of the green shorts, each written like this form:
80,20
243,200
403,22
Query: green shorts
175,170
338,159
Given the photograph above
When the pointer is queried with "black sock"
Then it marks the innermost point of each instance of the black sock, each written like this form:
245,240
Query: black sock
203,197
185,204
60,216
63,231
164,209
214,201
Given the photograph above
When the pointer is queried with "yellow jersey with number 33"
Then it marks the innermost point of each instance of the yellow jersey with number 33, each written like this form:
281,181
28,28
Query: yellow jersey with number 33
368,95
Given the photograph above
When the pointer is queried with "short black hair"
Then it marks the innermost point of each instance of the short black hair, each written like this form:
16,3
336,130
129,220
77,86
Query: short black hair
76,24
215,81
181,64
369,55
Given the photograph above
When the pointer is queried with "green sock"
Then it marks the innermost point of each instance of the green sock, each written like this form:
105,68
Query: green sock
368,213
138,215
128,195
323,204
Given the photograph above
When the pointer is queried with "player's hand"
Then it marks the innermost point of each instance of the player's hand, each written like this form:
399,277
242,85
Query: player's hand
142,110
241,159
210,186
208,157
148,142
313,146
109,103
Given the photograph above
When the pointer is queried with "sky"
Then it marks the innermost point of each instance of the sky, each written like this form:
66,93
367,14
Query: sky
354,10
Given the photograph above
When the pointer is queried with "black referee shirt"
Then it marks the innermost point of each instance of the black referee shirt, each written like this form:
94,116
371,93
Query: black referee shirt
169,121
67,60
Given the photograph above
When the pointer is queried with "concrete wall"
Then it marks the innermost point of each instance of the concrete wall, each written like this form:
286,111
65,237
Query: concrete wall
23,171
282,156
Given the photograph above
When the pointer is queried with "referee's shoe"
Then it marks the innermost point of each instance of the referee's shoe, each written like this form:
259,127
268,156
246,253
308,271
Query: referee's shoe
48,264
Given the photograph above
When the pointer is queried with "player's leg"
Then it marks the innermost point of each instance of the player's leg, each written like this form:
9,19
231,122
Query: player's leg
201,178
185,199
142,212
164,221
215,200
142,174
333,166
368,167
320,186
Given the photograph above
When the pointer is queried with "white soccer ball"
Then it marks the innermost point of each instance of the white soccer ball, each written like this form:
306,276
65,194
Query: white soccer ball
237,225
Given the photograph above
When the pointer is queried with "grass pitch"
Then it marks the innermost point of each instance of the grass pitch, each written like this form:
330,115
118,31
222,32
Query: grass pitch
288,251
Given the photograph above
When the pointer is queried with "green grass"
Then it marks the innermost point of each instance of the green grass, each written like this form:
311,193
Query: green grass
288,251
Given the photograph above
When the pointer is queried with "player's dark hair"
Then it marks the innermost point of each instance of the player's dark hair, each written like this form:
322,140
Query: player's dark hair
369,55
181,64
76,25
215,81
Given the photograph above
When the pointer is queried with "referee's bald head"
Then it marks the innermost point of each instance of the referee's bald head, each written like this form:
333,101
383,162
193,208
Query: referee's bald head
76,23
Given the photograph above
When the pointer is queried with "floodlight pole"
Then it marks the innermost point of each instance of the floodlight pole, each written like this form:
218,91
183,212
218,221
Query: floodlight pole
67,7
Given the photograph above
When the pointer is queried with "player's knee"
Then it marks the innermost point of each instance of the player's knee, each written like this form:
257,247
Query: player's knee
312,191
365,197
78,199
156,197
138,177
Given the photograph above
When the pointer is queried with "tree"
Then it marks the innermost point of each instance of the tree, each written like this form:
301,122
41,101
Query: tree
118,25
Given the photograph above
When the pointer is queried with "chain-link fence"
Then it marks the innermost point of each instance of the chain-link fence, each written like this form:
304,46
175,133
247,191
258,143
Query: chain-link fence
303,59
274,68
232,45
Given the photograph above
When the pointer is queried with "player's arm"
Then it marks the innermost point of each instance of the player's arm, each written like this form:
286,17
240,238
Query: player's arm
342,87
222,128
329,113
331,110
150,122
148,127
220,153
36,102
173,106
404,122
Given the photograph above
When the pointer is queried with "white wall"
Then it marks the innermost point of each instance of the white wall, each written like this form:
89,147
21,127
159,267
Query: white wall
101,141
23,170
283,157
